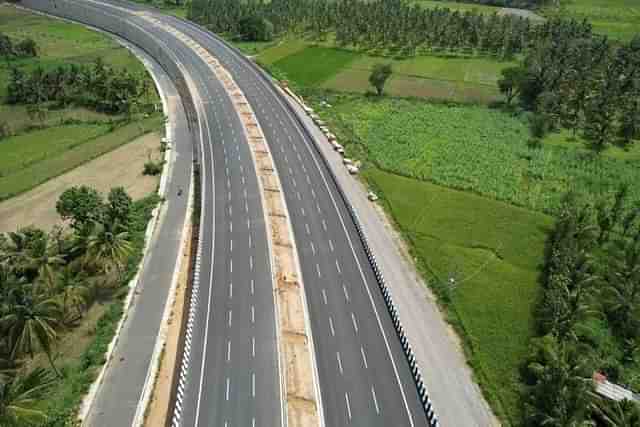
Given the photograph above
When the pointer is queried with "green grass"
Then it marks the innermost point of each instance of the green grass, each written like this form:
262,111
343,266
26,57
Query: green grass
252,48
475,149
63,399
463,7
618,19
281,50
314,65
30,159
19,121
61,43
454,78
494,251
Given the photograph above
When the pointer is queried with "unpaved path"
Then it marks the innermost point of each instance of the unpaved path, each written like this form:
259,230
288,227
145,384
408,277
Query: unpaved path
120,167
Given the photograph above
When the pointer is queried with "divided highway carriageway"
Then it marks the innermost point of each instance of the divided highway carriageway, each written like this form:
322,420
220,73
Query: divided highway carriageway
233,375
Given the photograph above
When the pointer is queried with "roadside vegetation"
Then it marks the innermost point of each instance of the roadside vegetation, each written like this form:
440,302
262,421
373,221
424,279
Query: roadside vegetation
499,245
177,8
581,82
438,53
30,159
460,147
68,95
555,112
482,258
49,283
588,319
407,145
617,19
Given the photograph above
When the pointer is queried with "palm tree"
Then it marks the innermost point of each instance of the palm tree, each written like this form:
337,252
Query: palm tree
73,293
109,247
624,413
43,257
623,291
560,393
17,398
15,248
29,320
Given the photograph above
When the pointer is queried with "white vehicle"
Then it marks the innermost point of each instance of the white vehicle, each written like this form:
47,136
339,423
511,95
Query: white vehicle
372,196
352,169
347,162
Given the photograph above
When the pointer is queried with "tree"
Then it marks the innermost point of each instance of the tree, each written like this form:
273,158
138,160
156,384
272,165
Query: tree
118,206
623,413
18,248
42,258
605,221
81,205
28,320
560,384
27,47
511,82
109,247
74,293
18,396
622,293
256,29
16,89
37,111
630,117
379,76
538,125
6,46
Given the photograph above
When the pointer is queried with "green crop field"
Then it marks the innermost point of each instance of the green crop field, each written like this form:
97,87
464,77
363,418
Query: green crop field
476,149
30,159
59,43
454,78
618,19
463,7
314,65
65,137
493,250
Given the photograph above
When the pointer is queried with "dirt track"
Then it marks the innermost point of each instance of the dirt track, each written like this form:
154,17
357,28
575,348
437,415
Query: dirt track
121,167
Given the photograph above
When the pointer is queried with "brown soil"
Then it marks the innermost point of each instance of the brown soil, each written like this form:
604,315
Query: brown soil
74,341
159,404
121,167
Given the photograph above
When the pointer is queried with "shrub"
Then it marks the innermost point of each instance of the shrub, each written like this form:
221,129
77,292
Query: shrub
5,130
538,125
152,168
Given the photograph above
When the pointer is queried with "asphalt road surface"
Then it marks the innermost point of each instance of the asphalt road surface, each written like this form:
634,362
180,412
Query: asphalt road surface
364,377
233,379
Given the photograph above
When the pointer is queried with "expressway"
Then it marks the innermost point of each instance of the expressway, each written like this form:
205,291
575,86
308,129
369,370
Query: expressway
364,377
233,376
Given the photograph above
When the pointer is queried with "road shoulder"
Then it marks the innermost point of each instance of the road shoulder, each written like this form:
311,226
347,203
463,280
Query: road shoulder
449,378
